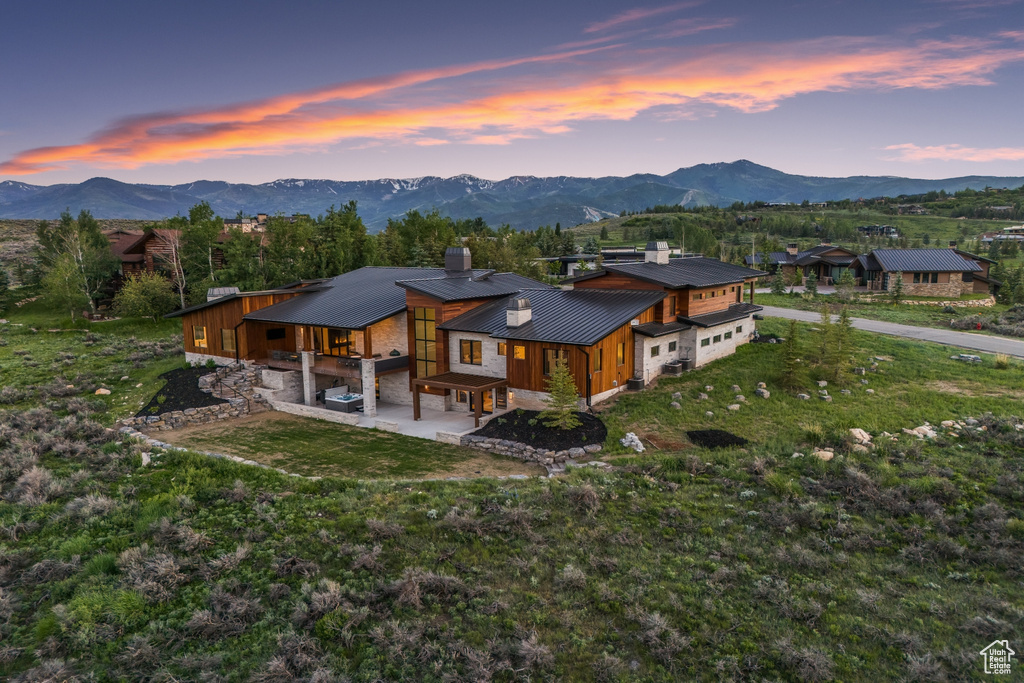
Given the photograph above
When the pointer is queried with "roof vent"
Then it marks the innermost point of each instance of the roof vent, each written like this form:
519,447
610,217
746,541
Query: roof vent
656,252
457,260
518,312
217,292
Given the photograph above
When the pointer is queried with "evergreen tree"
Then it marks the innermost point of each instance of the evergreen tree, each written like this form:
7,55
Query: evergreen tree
896,287
604,233
843,333
591,246
845,284
778,282
83,241
791,358
826,347
5,282
563,402
145,295
811,287
993,250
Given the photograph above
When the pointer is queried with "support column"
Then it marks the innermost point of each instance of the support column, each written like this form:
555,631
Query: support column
752,286
415,401
478,405
308,378
368,376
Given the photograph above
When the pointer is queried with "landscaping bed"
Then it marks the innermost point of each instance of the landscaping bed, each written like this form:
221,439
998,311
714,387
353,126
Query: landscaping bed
525,426
715,438
181,391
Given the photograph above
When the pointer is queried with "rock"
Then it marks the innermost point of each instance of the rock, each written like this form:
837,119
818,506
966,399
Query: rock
922,432
863,381
675,404
970,421
860,448
631,440
822,383
592,448
804,397
736,388
823,392
709,388
860,436
797,455
702,396
139,385
676,396
102,392
740,398
826,399
762,392
762,385
869,391
576,453
125,378
947,423
145,459
845,392
823,454
709,414
734,407
860,371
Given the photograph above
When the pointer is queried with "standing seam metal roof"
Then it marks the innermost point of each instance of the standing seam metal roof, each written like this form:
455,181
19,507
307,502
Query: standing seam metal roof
923,260
462,288
560,316
686,272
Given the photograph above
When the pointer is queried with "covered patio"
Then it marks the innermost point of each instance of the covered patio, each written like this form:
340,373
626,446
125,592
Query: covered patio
474,385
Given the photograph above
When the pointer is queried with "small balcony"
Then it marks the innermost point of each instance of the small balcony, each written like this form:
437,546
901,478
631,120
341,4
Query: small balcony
336,366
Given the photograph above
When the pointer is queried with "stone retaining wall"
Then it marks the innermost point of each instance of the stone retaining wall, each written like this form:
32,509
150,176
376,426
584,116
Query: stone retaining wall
955,303
177,419
521,451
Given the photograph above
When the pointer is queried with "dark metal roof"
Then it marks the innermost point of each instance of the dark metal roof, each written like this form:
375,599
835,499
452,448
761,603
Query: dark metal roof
681,273
230,297
923,260
353,300
734,312
462,288
868,262
802,258
560,316
660,329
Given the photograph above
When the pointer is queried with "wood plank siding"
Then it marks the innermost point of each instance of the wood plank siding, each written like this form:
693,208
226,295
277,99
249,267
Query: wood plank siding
250,338
615,281
443,312
709,299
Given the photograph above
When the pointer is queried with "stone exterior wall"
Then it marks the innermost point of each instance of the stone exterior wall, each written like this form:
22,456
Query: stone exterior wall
492,365
391,333
725,347
201,358
281,385
650,366
394,388
318,413
952,290
521,451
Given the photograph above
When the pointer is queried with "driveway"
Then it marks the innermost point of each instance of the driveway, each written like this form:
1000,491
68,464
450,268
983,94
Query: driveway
964,340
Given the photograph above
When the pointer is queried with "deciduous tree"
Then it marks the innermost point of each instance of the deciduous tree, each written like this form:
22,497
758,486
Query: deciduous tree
145,295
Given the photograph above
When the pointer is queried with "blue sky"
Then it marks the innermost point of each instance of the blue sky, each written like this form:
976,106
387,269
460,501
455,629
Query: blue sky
254,91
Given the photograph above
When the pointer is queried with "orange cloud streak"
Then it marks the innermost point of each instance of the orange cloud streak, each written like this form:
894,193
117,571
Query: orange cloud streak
912,152
424,108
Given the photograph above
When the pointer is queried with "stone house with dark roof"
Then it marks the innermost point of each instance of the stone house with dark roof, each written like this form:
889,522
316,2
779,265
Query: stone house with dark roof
476,341
925,272
825,261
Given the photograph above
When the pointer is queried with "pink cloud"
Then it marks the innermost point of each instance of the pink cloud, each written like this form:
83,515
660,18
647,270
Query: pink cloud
638,14
912,153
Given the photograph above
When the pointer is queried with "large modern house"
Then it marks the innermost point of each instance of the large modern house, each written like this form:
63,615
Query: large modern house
477,341
926,272
825,261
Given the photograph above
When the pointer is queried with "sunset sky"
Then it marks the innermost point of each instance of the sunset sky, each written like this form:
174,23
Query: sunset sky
258,90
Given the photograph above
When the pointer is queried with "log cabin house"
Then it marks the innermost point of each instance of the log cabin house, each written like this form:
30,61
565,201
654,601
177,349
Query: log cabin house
475,341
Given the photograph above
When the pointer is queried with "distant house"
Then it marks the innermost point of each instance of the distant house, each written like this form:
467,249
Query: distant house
926,272
889,231
475,341
157,250
825,261
130,264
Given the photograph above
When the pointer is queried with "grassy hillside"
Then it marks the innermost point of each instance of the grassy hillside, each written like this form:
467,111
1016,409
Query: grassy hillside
898,564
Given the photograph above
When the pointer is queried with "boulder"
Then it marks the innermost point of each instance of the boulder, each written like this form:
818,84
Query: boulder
825,454
826,399
860,371
797,455
860,436
734,407
863,381
860,448
675,404
676,396
709,413
102,392
762,385
702,396
804,397
736,388
869,391
631,440
125,378
762,392
709,388
576,452
845,392
822,383
740,398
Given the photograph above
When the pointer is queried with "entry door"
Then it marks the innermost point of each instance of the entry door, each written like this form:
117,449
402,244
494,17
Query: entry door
488,402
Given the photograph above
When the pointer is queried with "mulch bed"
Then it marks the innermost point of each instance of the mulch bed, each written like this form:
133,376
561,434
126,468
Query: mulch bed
715,438
180,392
516,426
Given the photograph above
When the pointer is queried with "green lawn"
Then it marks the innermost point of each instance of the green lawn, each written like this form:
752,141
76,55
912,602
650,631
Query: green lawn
317,448
922,316
920,384
41,354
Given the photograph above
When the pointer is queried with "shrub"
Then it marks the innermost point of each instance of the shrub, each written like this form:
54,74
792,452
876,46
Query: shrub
563,402
1002,361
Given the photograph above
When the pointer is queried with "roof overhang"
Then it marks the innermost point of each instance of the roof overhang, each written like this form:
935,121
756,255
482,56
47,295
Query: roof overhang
731,314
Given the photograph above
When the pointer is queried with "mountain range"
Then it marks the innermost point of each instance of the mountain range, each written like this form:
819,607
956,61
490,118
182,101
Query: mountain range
521,201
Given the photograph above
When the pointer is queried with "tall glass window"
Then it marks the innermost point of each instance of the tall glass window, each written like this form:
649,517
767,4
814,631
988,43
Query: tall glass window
426,341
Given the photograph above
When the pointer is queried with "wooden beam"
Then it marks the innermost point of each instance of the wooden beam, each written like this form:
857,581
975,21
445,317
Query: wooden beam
368,343
478,405
416,402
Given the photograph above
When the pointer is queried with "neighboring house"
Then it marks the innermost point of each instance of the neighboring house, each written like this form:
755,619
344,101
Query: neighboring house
825,261
702,315
460,339
120,241
926,272
156,251
890,231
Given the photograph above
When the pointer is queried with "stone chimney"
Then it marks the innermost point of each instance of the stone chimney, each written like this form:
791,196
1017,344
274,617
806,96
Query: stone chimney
217,292
518,312
952,244
826,243
457,260
792,248
656,252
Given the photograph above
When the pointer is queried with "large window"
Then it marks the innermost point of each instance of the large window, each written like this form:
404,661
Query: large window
552,356
332,341
426,341
598,360
470,352
502,348
227,339
671,305
620,353
199,336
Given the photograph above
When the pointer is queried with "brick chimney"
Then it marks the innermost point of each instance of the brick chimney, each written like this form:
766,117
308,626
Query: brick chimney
656,252
792,248
518,312
457,261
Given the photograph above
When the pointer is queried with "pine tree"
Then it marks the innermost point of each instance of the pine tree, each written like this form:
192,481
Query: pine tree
845,284
811,287
842,335
563,400
604,232
825,348
791,358
778,282
896,286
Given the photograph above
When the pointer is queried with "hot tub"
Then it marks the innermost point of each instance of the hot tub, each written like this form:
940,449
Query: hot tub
344,403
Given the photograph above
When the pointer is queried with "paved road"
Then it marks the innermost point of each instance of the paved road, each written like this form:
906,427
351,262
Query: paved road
965,340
